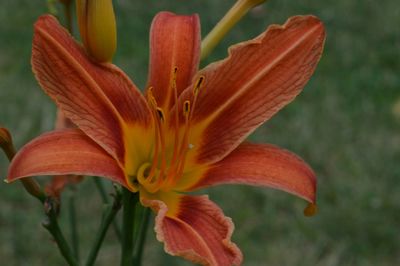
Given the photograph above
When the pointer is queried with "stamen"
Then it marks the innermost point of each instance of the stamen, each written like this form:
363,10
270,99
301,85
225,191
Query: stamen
152,182
151,98
176,171
176,127
162,142
198,85
143,177
143,173
186,108
161,175
155,155
160,114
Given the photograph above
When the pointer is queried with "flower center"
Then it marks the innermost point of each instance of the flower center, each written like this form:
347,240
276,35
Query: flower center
171,141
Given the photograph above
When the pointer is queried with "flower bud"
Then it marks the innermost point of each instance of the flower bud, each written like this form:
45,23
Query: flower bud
30,185
97,27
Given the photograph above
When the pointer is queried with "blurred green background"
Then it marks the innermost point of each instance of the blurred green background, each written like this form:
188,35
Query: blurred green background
345,124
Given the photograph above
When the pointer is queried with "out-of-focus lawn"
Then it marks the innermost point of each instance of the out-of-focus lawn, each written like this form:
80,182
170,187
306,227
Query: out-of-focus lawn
342,124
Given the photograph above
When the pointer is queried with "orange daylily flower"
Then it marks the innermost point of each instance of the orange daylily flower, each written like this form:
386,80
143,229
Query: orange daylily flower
186,133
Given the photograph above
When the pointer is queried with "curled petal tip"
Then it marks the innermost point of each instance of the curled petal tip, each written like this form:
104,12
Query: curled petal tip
310,210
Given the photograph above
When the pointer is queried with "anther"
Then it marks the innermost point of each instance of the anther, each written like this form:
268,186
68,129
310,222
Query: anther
186,108
160,114
198,85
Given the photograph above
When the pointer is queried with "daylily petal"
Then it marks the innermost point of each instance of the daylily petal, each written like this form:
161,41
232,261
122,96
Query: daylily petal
259,165
174,42
195,228
258,78
59,182
64,152
99,98
63,122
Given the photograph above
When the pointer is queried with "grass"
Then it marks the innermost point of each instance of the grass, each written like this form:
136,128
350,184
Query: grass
342,124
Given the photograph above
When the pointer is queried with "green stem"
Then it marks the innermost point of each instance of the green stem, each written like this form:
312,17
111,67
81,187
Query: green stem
72,221
33,188
51,206
103,194
51,224
129,200
139,245
108,217
101,189
238,10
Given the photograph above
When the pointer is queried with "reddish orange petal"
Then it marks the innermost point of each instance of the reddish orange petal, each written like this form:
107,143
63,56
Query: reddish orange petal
258,78
58,183
174,42
196,230
261,165
64,152
63,122
98,98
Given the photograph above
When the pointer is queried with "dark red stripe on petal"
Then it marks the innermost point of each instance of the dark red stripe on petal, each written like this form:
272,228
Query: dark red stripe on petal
64,152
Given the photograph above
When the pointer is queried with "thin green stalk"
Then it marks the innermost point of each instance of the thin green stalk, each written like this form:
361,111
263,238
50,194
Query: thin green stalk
129,200
141,239
50,205
101,189
231,18
51,224
108,217
103,194
73,226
